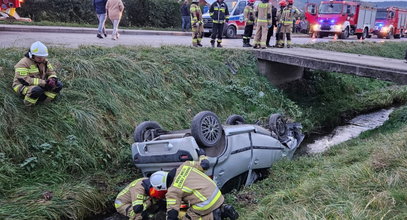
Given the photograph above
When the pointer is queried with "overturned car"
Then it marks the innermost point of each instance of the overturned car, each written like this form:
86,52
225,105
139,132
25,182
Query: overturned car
238,153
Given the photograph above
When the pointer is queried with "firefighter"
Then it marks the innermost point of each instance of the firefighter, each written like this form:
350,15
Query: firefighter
190,185
263,20
249,19
35,78
273,24
197,23
282,4
288,15
219,13
139,199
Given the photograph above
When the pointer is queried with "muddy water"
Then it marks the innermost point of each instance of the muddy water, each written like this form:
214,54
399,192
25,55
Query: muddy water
352,129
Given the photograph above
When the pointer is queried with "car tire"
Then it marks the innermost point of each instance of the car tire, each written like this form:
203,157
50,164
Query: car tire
143,131
278,125
235,120
230,32
206,128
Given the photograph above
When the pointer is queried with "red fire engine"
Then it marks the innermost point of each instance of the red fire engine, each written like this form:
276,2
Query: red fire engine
341,18
8,10
390,22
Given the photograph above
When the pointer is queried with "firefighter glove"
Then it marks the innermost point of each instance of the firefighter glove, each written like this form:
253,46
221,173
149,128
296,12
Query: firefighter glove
205,164
227,20
138,208
51,83
172,214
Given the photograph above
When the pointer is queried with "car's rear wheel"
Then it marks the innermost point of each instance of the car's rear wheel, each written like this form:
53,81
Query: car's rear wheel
146,131
235,120
278,125
206,129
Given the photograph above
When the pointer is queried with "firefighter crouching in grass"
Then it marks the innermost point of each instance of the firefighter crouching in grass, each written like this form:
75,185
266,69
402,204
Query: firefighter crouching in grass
249,19
189,184
288,15
197,23
35,78
139,200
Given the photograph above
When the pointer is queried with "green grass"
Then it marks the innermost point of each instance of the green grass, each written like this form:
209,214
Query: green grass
79,146
85,25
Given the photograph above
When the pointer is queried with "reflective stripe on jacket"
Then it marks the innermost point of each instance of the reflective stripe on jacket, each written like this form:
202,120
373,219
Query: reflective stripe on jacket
196,14
249,14
219,12
132,195
288,15
263,13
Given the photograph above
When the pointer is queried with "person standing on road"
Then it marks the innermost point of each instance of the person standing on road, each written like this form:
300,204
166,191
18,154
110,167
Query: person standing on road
282,4
263,20
219,13
197,23
35,78
287,19
115,10
249,19
100,8
273,24
186,20
139,199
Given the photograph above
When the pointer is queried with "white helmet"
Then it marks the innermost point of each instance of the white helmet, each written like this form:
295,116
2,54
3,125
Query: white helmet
38,49
195,1
159,180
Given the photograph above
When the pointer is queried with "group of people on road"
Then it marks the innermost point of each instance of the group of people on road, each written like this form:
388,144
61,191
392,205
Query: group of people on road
112,8
185,192
263,17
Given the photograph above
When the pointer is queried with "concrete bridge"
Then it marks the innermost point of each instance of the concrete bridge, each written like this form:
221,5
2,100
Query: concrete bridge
287,64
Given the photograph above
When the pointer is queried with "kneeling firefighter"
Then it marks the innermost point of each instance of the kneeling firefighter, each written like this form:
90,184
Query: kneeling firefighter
187,183
35,78
139,200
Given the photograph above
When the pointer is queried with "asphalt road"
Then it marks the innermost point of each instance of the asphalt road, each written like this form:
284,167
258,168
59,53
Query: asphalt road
24,39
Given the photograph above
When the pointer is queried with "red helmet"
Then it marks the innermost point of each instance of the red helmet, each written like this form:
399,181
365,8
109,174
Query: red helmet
252,1
283,3
290,1
158,194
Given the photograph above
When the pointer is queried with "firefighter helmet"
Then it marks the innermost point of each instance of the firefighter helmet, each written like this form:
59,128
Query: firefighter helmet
159,180
158,194
283,3
38,49
290,2
252,1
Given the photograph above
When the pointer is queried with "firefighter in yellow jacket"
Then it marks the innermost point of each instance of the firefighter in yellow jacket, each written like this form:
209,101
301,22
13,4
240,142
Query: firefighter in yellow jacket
288,15
139,199
263,20
35,78
189,184
197,23
249,19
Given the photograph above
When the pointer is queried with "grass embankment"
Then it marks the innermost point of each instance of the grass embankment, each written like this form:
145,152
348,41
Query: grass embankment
79,147
364,178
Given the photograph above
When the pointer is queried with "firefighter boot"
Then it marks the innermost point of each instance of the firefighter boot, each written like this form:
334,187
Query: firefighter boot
246,43
289,44
219,44
213,43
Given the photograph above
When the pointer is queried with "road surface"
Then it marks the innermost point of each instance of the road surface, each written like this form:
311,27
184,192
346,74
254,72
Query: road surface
25,39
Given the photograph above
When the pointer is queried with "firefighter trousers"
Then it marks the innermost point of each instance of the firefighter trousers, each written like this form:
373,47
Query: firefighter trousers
217,32
197,33
34,94
248,32
270,33
285,31
261,34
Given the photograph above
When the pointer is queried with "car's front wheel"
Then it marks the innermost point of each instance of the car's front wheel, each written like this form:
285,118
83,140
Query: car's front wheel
278,125
146,131
235,120
206,129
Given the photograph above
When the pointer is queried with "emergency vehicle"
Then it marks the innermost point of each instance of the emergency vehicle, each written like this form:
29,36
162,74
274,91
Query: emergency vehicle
390,22
341,18
8,10
236,23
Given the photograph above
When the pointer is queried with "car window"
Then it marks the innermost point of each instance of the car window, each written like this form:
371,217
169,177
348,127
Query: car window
240,8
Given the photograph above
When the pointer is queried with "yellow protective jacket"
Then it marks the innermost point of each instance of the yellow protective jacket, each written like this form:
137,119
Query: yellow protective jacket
194,187
196,14
30,73
134,194
263,13
289,14
249,14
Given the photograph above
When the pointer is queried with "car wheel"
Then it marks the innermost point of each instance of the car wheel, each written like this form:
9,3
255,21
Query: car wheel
277,125
235,120
206,129
146,131
231,32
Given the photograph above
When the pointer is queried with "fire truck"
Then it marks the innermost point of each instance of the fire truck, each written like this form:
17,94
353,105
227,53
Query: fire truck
8,10
341,18
390,22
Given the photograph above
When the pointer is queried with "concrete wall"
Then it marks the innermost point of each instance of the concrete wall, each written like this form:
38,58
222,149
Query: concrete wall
279,73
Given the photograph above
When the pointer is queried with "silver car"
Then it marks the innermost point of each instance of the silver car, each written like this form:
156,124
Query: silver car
238,153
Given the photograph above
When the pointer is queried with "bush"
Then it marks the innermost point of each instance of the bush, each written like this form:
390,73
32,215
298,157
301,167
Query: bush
155,13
